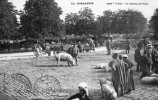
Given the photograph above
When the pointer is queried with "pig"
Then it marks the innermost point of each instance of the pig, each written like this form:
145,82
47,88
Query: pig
103,66
148,80
108,89
64,57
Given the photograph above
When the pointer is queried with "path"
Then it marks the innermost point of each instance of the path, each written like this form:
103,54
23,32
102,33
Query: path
31,54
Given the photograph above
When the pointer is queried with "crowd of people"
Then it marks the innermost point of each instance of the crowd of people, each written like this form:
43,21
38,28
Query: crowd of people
122,74
147,62
146,58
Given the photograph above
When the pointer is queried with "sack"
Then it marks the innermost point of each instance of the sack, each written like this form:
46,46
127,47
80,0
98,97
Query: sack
148,80
154,75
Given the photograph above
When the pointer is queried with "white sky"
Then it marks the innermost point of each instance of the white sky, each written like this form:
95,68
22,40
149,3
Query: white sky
100,5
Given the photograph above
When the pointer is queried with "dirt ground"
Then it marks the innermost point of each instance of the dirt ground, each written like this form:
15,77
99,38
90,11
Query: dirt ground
70,77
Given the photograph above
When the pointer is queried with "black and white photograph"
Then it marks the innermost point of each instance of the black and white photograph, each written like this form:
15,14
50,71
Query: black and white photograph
78,50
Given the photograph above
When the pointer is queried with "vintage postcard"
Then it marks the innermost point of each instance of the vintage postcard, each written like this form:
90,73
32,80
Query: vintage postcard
78,49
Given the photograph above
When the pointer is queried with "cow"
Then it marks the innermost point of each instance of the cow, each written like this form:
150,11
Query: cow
64,57
108,89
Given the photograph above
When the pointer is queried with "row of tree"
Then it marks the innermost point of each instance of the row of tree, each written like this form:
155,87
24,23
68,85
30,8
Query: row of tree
121,21
41,19
153,23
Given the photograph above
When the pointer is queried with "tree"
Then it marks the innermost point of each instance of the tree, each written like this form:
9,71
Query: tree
153,23
86,13
108,20
8,20
70,22
84,24
41,19
80,23
122,21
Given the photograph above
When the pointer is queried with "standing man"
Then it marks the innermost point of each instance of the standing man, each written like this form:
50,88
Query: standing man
140,43
118,73
129,73
80,47
155,58
146,42
108,46
48,49
74,52
137,56
145,64
128,43
149,54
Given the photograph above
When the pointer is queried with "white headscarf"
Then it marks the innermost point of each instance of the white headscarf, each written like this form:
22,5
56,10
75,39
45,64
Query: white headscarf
84,86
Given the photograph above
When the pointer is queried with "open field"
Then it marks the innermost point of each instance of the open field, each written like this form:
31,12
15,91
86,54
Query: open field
70,77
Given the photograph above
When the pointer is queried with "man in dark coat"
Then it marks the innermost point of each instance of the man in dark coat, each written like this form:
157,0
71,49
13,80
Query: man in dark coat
129,73
74,52
128,44
80,47
155,58
137,56
48,49
108,46
146,42
145,64
149,54
140,43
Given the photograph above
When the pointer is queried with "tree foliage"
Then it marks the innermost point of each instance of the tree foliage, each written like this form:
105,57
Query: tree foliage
8,20
41,18
107,20
121,21
70,22
81,22
153,23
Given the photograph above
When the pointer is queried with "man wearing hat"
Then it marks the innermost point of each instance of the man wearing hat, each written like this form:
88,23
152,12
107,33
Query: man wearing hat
149,53
155,58
147,42
145,64
48,49
108,45
118,73
137,56
129,73
83,93
128,43
74,52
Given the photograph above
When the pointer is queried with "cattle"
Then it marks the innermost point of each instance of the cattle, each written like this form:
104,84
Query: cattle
107,89
64,57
